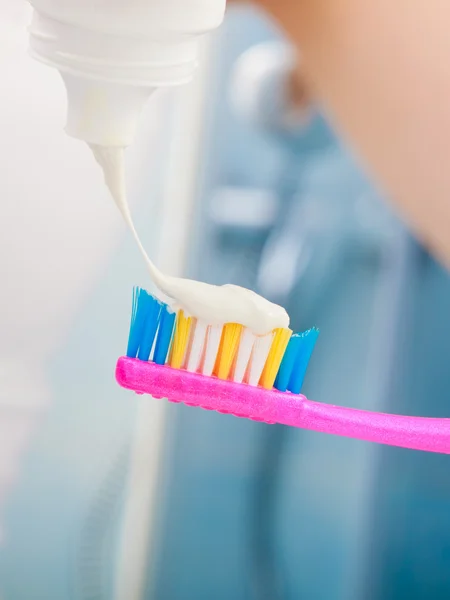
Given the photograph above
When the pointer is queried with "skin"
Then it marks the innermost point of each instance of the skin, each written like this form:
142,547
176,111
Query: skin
382,71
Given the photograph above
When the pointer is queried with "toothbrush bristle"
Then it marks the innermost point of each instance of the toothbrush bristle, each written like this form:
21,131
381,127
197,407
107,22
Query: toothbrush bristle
142,306
180,340
164,335
150,328
277,350
228,348
308,341
243,355
258,358
213,337
277,359
295,361
196,346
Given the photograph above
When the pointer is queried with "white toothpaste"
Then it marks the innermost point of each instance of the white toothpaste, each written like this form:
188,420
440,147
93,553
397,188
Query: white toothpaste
212,304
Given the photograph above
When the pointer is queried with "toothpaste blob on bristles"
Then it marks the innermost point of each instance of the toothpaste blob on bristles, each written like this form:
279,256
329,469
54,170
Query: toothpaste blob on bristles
227,351
215,305
229,303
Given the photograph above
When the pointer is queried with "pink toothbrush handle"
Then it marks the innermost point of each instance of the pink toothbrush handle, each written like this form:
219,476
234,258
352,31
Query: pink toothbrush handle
272,406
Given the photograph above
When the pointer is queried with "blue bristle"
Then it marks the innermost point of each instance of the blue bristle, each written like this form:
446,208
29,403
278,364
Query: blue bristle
141,303
166,326
150,327
287,364
307,342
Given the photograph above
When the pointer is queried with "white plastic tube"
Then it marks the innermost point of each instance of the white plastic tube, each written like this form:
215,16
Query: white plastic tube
113,54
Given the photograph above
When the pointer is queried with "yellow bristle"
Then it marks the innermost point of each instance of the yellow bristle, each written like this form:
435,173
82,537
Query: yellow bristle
229,345
276,353
180,340
190,342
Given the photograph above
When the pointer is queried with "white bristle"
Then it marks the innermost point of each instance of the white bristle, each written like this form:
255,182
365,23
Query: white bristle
244,354
197,346
261,349
214,334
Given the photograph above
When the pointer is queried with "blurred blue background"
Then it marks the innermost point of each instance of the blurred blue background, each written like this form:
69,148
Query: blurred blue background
245,510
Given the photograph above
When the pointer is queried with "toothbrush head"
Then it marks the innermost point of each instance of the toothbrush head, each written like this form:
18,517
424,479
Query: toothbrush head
224,368
229,353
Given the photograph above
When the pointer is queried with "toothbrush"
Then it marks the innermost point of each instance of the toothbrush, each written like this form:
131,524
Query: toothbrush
232,371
